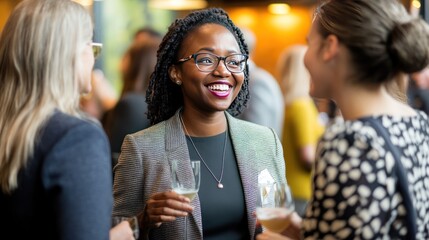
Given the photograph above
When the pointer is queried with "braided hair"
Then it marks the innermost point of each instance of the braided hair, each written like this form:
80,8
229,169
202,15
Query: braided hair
164,97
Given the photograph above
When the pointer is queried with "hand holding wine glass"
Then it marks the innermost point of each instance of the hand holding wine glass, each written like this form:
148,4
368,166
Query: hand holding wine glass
275,204
183,184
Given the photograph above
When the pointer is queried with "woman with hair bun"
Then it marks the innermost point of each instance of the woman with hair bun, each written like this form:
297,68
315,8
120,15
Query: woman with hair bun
365,164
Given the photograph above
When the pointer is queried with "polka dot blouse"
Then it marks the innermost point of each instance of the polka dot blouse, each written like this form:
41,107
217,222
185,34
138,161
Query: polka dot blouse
355,192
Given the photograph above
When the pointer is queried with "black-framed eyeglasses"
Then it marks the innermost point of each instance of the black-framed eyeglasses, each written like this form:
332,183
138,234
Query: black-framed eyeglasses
208,62
96,49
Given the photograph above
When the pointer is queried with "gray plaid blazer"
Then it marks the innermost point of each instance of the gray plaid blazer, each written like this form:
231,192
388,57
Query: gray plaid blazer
144,169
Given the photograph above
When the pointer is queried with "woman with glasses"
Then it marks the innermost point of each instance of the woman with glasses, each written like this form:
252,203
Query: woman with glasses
55,172
199,84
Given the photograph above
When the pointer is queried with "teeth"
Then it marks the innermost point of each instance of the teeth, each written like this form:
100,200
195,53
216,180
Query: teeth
219,87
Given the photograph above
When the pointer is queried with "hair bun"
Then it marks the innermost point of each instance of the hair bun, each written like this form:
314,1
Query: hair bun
408,45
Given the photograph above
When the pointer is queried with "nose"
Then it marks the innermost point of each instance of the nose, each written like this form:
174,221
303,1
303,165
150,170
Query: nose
221,69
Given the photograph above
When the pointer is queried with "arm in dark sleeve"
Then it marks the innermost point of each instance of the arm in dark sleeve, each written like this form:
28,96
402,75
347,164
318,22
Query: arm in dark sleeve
77,177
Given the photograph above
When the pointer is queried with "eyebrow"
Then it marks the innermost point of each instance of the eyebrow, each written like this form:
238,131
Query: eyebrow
212,50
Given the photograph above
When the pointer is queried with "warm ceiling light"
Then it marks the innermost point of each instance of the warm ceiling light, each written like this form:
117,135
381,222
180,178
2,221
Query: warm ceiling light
84,2
416,3
178,4
279,8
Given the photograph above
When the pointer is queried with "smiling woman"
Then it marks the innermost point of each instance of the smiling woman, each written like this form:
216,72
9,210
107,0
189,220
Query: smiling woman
199,84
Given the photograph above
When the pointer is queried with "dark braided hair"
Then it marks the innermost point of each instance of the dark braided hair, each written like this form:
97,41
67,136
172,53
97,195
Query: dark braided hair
163,96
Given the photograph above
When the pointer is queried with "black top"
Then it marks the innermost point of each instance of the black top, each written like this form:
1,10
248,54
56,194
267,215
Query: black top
223,210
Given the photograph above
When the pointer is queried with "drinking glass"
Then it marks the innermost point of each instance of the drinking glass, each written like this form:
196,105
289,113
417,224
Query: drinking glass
275,203
184,185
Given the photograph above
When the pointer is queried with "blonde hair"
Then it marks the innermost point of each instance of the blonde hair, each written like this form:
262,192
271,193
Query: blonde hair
293,76
39,48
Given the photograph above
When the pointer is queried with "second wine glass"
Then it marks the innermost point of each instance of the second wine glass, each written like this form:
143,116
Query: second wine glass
185,184
274,206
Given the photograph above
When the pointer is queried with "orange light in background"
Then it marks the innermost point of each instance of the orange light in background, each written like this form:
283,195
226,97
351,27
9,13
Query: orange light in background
415,8
285,21
245,17
84,2
279,8
274,33
416,3
178,4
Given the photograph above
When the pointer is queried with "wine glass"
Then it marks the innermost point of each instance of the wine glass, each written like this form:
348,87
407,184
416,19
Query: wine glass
183,184
275,203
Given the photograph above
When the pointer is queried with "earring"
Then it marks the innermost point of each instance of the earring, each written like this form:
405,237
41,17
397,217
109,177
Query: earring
179,82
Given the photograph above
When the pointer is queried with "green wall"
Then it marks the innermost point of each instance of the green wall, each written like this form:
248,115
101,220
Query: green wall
120,19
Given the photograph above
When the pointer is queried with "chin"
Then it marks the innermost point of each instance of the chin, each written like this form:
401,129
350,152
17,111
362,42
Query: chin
86,89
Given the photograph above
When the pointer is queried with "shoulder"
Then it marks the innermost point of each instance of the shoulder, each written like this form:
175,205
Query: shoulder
348,132
347,141
300,105
65,130
62,124
70,145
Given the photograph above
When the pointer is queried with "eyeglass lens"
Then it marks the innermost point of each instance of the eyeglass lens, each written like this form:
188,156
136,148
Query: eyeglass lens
96,49
208,62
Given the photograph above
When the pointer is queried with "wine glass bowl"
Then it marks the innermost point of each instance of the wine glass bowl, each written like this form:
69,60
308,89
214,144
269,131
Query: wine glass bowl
275,204
182,184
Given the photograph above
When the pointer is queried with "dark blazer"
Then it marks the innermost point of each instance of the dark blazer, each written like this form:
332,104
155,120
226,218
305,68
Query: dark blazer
144,169
64,191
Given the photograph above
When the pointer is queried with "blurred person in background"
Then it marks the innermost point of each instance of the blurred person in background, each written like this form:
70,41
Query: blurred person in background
371,172
418,90
266,105
302,128
145,34
55,174
129,114
100,99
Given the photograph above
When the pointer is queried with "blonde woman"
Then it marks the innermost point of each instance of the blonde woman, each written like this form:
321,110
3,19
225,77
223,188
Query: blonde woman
55,176
301,128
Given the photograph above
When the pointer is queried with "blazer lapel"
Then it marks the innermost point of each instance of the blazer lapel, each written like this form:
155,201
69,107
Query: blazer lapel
176,149
246,157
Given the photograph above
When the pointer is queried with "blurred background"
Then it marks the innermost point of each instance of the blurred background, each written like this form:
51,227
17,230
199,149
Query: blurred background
276,24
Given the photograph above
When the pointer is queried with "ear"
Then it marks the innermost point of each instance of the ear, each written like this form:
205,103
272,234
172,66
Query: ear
330,47
174,74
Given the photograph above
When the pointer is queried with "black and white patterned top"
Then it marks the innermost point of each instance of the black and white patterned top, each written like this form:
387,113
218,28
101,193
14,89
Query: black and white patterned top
354,191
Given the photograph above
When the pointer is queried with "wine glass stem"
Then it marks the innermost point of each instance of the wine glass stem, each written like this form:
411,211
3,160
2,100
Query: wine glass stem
186,227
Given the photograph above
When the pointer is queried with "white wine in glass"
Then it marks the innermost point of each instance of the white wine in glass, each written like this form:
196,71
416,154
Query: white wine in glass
184,185
274,206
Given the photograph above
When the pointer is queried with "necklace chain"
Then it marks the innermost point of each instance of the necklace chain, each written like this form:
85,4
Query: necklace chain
219,184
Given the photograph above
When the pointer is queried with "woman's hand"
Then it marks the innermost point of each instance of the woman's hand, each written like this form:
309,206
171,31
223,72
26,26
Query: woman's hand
267,235
122,231
291,232
164,207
